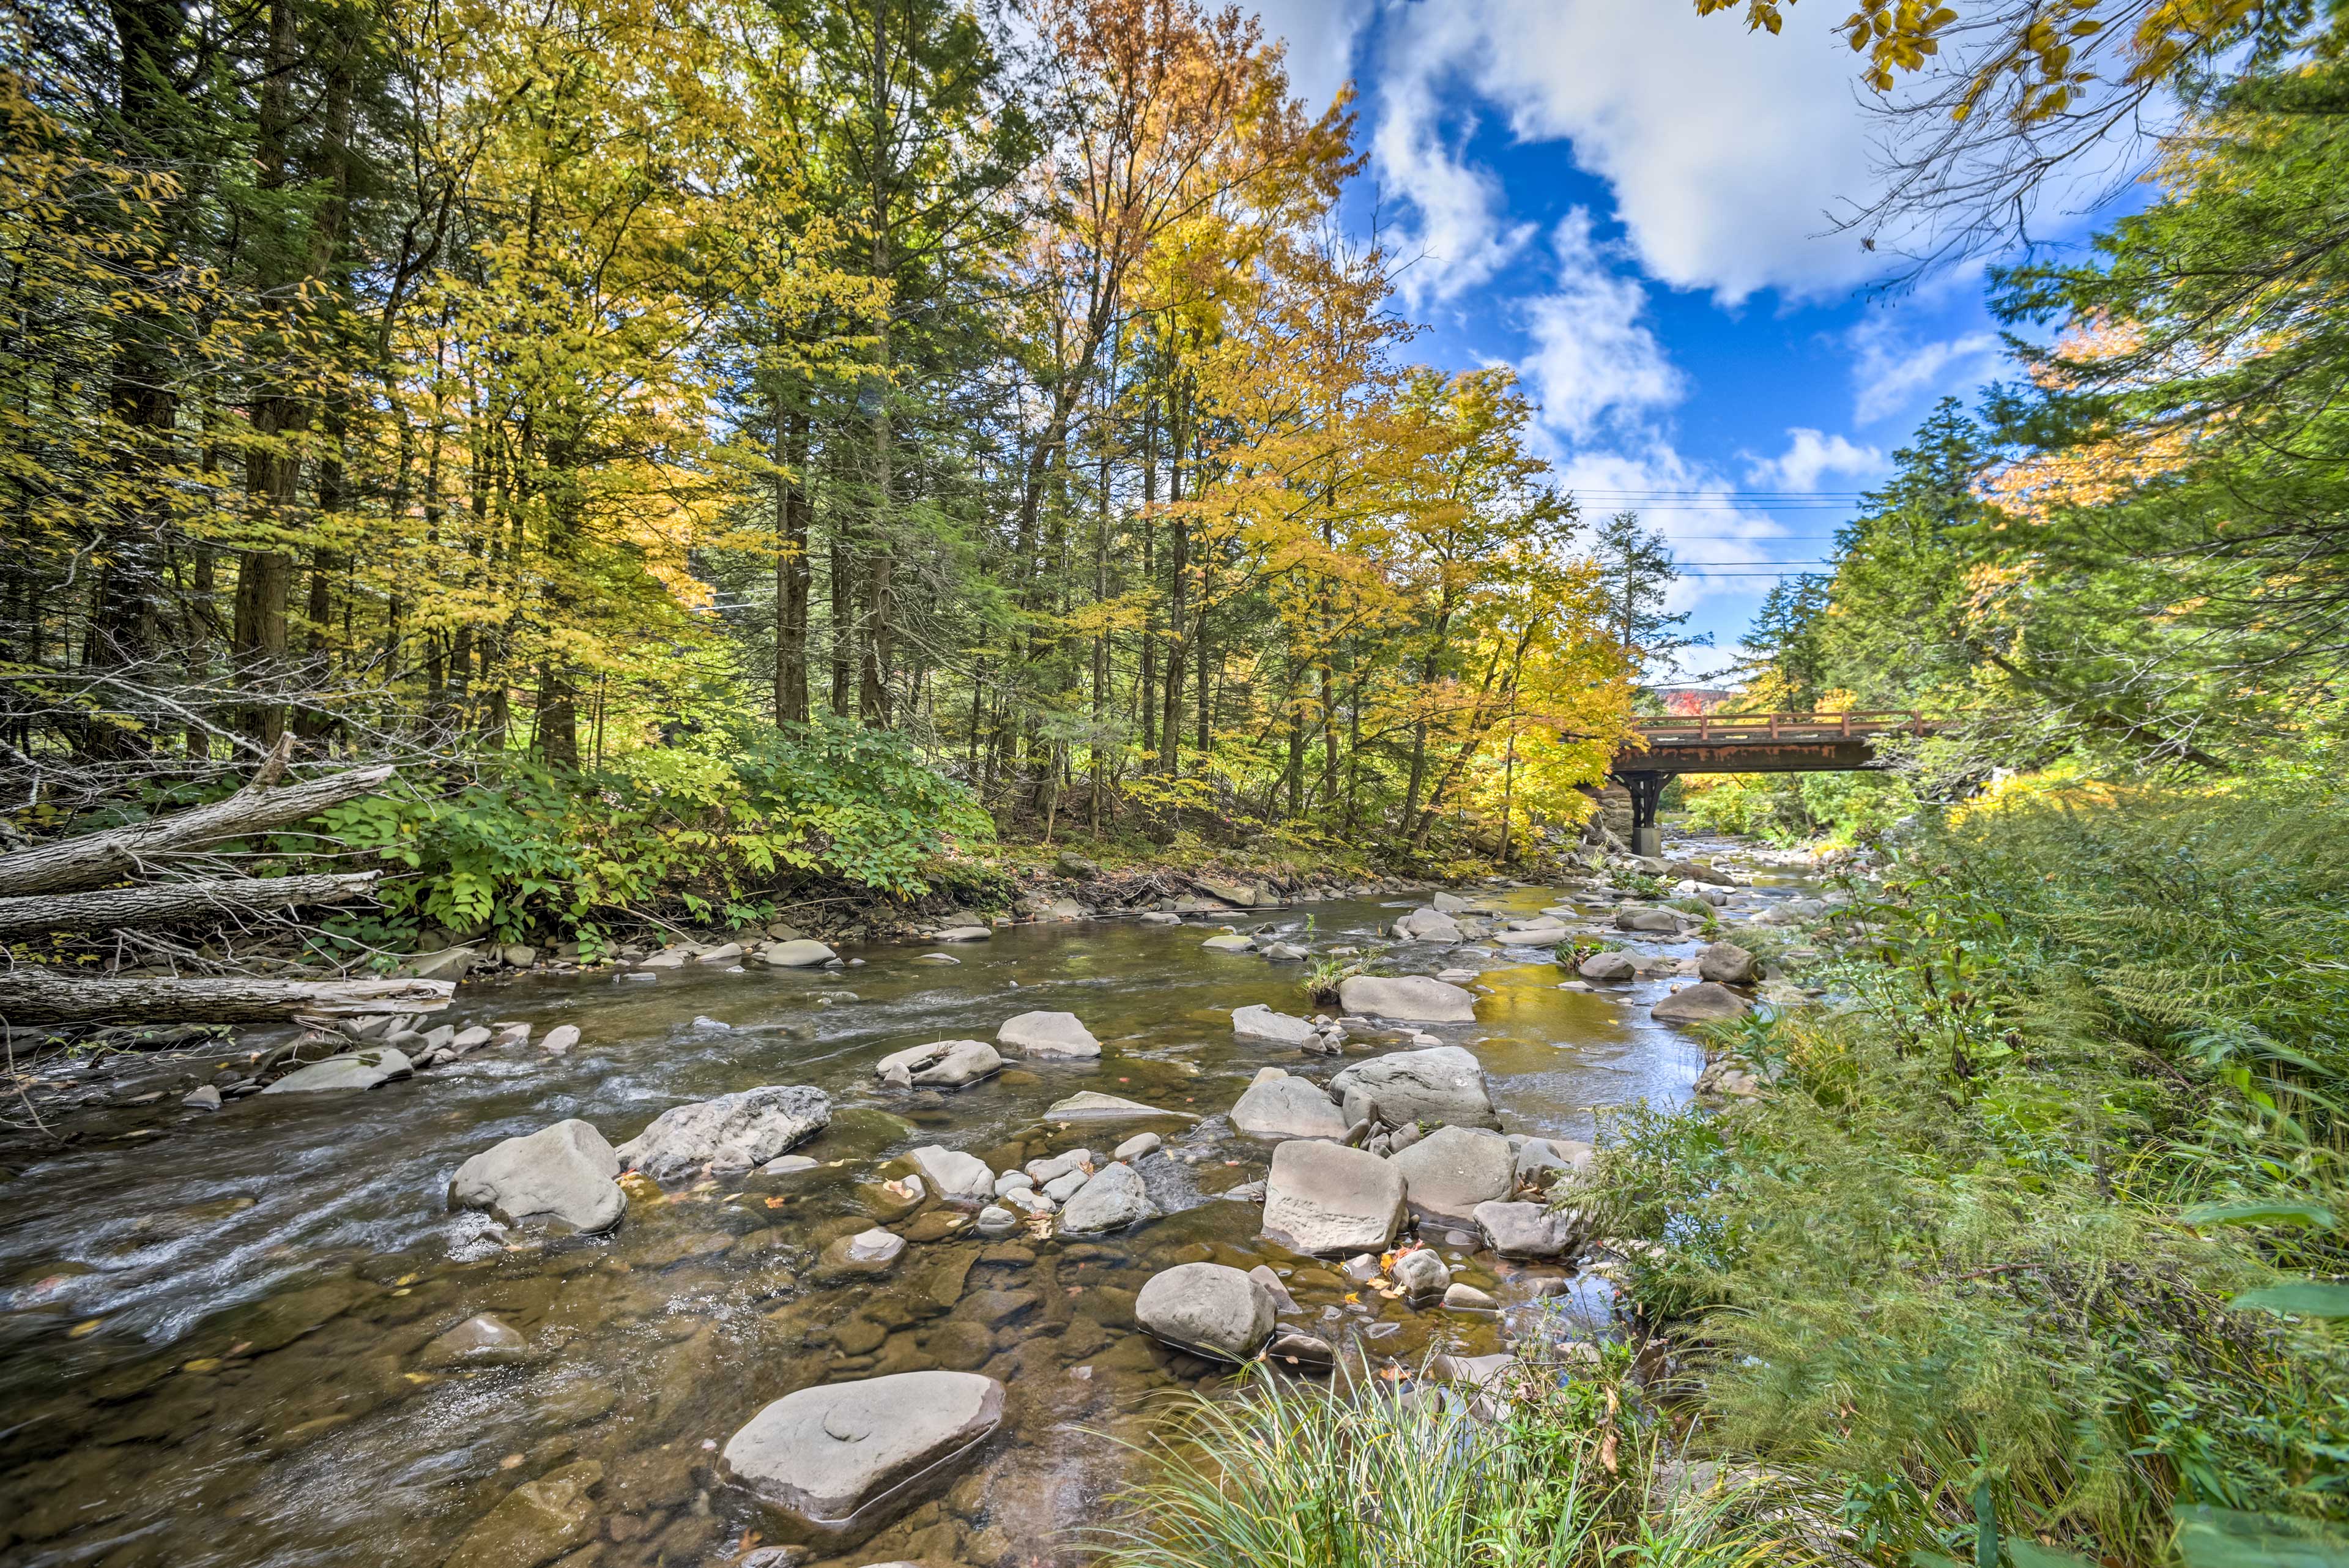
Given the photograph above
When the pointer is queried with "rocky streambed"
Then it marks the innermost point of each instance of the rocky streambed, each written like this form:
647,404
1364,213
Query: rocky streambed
793,1264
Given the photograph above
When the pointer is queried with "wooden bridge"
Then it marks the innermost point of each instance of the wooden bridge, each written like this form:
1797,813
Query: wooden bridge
1746,744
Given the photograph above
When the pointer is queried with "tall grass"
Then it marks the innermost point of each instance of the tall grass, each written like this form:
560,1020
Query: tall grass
1948,1252
1537,1474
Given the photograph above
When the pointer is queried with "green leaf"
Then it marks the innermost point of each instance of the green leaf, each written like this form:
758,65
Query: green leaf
2030,1555
2210,1537
2302,1298
2259,1213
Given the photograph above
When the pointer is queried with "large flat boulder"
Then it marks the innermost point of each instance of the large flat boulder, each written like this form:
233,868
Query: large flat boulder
1258,1022
803,953
1229,942
1325,1198
1207,1308
1451,1170
732,1132
1442,1083
825,1453
341,1075
1278,1104
564,1173
1112,1199
942,1064
1662,921
1413,998
1608,965
1089,1104
1048,1035
1704,1002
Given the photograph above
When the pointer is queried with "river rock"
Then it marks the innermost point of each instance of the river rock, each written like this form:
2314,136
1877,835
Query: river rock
1420,1274
1705,1003
1207,1308
564,1173
206,1098
1412,998
732,1132
996,1223
1451,904
1302,1350
875,1246
1453,1169
536,1523
1091,1106
1468,1298
1325,1197
1112,1199
1609,965
667,957
963,934
825,1452
1258,1022
1529,1229
560,1038
1139,1145
1428,926
354,1070
1537,1155
1282,1299
1441,1083
724,952
1277,1105
449,963
1698,871
954,1175
804,953
1229,942
485,1340
1244,893
1726,963
1048,1035
1063,1187
943,1064
1667,921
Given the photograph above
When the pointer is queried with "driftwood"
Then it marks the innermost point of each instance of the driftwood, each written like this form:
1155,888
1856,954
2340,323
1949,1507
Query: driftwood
114,854
32,995
113,909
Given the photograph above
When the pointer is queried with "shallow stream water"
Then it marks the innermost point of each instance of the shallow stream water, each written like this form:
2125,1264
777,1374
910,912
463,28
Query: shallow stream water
210,1340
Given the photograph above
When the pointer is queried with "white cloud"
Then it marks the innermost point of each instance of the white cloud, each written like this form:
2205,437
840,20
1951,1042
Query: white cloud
1461,235
1594,363
1890,371
1810,456
1320,35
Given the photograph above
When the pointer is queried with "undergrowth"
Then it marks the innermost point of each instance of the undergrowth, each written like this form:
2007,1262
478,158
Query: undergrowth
1948,1269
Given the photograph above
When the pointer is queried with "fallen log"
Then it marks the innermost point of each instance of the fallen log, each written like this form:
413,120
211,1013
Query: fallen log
29,995
112,908
259,807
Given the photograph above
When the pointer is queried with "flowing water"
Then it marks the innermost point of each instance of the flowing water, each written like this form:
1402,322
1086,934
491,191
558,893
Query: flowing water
210,1340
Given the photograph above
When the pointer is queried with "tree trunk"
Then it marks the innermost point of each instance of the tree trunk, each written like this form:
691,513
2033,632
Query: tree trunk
167,903
794,511
33,995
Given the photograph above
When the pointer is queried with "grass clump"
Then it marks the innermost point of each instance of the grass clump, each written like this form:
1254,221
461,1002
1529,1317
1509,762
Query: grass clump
1945,1269
1537,1473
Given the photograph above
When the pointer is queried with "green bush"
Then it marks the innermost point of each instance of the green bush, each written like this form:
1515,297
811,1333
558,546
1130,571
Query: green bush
1947,1252
717,828
1786,808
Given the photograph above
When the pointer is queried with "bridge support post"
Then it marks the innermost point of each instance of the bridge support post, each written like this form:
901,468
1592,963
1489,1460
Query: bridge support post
1647,791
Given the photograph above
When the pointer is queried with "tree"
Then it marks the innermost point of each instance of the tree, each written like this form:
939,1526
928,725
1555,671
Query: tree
1636,565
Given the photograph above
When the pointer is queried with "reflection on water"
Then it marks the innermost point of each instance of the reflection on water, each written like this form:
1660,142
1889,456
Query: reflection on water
213,1343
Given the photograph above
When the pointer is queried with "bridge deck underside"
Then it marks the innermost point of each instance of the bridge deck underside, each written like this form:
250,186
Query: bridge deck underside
1743,756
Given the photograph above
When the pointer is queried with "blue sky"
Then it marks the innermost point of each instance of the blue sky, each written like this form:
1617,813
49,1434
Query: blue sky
1629,204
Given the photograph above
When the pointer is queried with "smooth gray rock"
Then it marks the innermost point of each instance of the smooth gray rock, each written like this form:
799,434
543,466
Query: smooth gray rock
486,1340
1608,965
1112,1199
1282,1299
1529,1229
875,1246
1704,1002
943,1064
1277,1105
1325,1197
1208,1309
1726,963
1091,1106
825,1452
1559,1156
1428,926
954,1175
1258,1022
449,963
1440,1084
996,1221
964,934
1420,1273
732,1132
1048,1035
563,1173
560,1038
1229,942
1662,921
1412,998
339,1075
801,954
1063,1187
1468,1298
1139,1145
1451,1170
206,1098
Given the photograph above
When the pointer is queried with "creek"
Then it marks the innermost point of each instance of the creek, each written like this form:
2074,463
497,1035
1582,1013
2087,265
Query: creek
211,1337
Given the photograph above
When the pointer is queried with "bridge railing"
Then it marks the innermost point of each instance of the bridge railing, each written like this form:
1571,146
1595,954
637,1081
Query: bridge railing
1704,728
